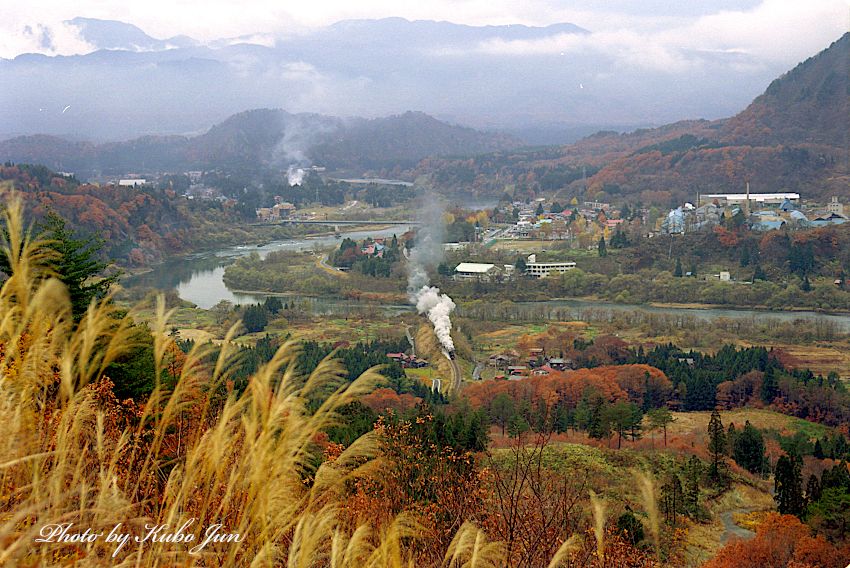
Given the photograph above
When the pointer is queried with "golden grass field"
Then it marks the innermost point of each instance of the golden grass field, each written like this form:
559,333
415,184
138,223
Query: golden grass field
523,246
687,423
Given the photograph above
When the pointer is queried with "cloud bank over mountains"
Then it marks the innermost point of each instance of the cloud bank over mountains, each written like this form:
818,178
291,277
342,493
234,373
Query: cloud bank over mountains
180,67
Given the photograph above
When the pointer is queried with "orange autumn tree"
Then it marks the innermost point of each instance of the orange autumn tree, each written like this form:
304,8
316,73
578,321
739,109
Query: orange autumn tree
613,383
437,484
781,541
384,399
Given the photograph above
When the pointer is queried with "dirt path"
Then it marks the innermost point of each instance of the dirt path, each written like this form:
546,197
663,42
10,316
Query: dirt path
322,263
730,529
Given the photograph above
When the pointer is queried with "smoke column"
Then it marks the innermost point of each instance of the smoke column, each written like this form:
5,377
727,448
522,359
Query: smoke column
426,253
299,135
294,175
439,308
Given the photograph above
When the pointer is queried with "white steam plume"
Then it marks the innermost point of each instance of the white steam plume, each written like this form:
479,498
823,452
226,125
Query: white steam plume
294,175
426,253
300,133
439,308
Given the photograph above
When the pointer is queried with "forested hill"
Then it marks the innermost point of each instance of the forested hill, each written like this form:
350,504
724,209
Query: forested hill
809,104
266,138
139,225
794,137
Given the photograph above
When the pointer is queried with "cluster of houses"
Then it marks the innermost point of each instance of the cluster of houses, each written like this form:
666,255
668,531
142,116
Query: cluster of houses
761,212
280,210
533,224
537,363
407,361
373,247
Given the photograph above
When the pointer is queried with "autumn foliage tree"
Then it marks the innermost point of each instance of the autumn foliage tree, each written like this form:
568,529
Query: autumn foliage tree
781,541
530,507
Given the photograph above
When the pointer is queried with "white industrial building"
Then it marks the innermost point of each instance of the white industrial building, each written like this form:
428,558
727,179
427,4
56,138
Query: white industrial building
476,271
756,198
132,182
544,269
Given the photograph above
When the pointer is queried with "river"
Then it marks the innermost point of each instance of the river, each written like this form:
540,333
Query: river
199,279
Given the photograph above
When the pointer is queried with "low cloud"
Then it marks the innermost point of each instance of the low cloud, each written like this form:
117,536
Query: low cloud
774,32
46,38
625,47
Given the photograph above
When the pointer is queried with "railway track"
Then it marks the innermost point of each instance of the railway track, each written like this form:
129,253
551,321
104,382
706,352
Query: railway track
456,375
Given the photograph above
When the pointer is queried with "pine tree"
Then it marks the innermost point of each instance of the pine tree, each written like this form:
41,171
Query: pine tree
77,264
731,435
619,240
630,526
520,265
748,449
788,483
717,448
255,318
769,385
273,304
672,499
690,494
677,272
806,286
812,489
603,250
597,426
745,256
818,450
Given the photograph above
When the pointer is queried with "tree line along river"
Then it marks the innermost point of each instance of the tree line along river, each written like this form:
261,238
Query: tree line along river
199,279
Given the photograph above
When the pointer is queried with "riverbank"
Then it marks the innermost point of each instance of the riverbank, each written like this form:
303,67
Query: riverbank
696,306
591,302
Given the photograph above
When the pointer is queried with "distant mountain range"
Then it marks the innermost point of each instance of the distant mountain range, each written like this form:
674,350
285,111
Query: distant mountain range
110,34
793,137
266,138
493,77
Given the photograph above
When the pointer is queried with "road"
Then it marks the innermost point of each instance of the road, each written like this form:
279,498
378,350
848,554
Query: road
730,529
333,222
322,262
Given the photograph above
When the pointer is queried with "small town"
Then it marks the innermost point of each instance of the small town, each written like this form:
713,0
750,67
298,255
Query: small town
549,284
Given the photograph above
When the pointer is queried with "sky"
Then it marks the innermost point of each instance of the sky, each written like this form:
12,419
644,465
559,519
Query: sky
774,31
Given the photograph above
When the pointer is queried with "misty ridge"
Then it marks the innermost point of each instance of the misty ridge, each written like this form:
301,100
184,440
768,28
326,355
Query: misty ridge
269,139
793,136
507,78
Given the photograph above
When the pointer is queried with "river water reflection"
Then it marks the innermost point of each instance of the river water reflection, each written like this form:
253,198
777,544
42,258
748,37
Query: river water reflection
199,279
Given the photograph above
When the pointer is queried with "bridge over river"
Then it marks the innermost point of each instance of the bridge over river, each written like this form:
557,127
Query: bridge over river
334,222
